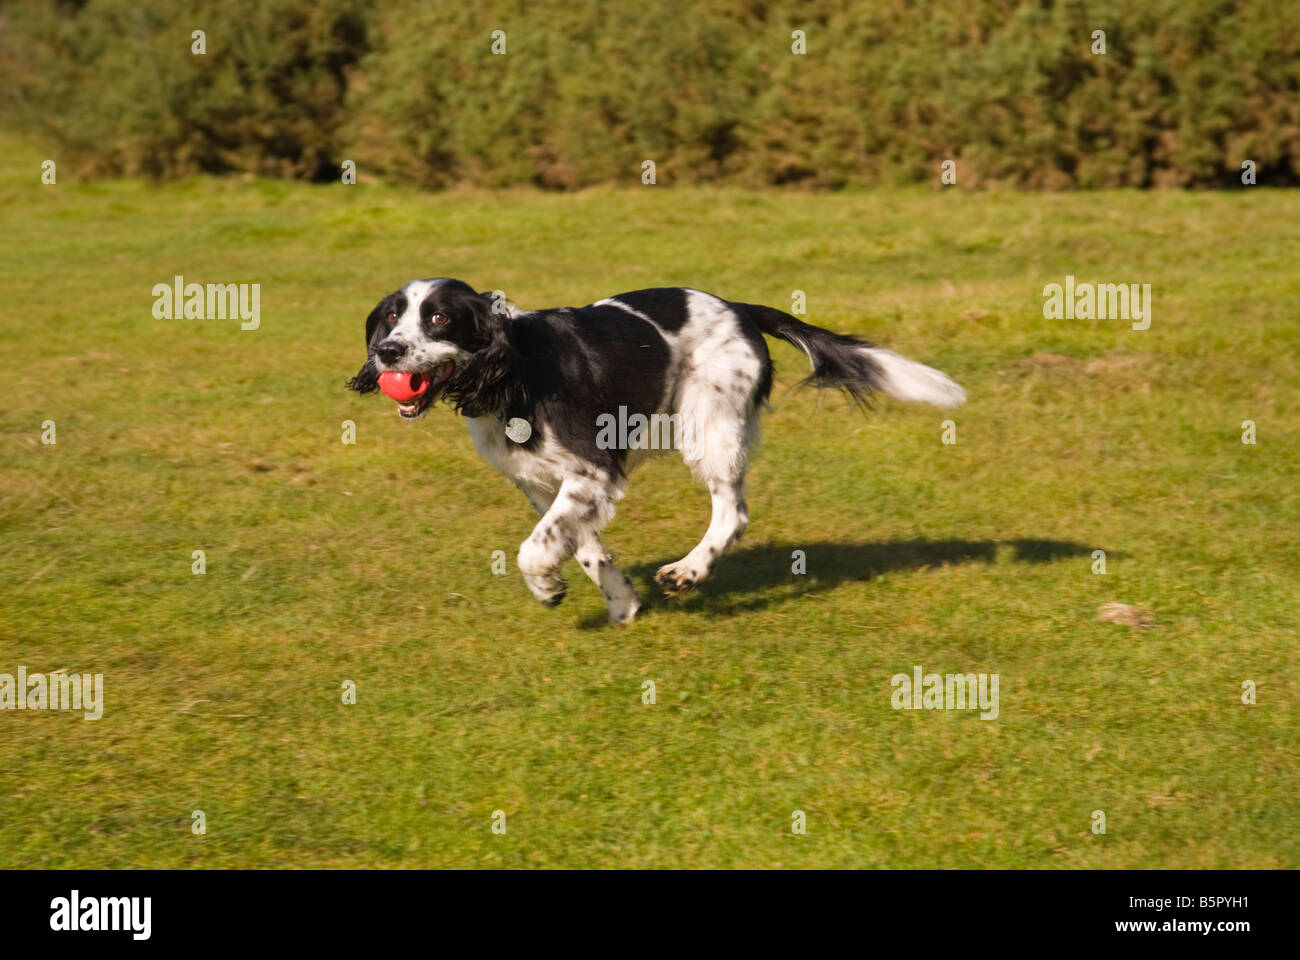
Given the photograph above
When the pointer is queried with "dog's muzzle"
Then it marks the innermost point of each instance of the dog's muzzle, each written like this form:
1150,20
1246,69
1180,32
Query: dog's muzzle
415,392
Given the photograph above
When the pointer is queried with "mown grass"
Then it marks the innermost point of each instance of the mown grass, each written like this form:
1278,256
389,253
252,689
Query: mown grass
371,562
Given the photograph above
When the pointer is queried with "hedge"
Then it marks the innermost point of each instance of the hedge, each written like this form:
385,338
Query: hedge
710,90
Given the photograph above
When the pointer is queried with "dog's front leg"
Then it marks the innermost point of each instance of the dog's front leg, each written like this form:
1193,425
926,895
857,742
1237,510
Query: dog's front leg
613,583
580,509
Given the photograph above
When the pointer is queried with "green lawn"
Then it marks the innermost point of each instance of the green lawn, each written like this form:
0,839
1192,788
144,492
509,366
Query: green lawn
372,562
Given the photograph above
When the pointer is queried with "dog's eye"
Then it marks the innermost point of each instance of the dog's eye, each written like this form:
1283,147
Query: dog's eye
392,317
439,318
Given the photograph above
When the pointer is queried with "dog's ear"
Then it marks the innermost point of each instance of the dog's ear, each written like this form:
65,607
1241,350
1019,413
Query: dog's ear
367,378
491,381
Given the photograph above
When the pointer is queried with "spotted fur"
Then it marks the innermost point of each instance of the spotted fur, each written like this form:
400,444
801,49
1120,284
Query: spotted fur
667,352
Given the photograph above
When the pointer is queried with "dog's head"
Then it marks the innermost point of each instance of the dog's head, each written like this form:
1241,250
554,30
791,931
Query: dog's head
439,338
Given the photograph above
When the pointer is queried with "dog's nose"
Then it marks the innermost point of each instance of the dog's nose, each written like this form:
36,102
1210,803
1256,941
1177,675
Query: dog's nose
390,351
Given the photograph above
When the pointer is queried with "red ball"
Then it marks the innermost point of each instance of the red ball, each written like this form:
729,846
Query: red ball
403,387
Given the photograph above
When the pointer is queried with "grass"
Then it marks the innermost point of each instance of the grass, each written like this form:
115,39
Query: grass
372,562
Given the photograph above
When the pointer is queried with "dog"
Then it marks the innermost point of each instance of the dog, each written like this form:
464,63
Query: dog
542,392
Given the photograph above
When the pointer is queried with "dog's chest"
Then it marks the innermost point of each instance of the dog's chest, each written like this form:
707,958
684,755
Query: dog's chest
544,467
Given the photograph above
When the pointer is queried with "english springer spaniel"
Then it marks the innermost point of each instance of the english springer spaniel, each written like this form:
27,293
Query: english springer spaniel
565,402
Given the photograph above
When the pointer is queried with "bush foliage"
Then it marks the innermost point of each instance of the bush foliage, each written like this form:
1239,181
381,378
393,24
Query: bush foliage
709,90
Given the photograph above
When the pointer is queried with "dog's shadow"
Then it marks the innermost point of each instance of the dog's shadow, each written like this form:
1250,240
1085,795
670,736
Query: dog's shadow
744,578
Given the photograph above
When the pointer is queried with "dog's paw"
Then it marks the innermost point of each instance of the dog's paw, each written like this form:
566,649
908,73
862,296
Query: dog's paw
549,591
624,612
676,579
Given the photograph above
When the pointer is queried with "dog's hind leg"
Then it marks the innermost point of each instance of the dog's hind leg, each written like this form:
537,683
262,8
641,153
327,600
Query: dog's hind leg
730,516
718,453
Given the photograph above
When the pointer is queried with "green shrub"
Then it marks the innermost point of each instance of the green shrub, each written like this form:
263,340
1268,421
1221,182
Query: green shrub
708,90
116,84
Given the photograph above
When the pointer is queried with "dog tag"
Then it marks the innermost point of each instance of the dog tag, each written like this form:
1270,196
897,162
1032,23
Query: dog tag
518,430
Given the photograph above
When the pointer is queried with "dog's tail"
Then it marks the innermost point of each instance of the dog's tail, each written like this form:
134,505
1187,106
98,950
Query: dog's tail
855,366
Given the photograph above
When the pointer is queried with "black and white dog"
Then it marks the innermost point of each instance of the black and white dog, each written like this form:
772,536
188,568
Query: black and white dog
541,390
